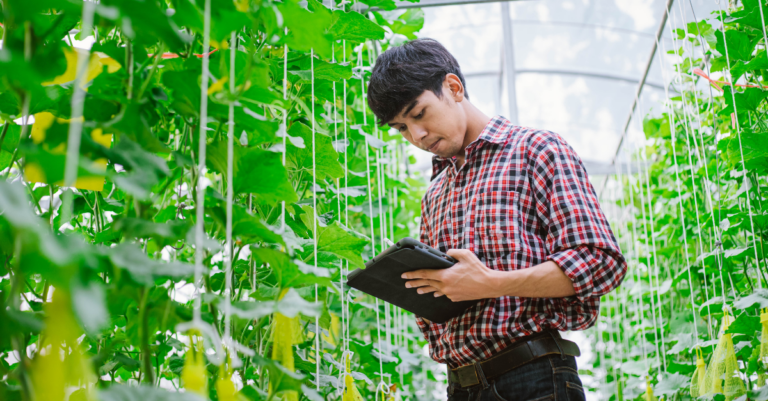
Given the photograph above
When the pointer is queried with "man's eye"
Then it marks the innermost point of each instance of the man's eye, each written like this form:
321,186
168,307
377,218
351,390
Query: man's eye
402,128
421,114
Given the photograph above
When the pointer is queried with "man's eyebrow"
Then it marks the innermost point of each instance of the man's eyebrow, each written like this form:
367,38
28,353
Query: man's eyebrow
410,107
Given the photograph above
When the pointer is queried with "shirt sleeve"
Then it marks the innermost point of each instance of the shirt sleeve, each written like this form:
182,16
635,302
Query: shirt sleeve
579,238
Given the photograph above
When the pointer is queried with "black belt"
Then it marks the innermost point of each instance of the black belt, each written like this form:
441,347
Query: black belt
521,352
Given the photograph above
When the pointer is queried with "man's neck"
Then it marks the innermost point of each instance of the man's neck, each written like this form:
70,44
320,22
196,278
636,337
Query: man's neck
476,122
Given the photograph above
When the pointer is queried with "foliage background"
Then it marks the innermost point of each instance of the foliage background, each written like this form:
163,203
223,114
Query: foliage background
95,282
689,213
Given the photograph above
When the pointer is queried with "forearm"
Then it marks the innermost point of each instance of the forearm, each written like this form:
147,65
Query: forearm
545,280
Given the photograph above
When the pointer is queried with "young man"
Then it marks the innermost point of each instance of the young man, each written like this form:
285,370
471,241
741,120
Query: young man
514,206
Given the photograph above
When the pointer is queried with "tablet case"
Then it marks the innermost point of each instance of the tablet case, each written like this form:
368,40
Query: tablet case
381,278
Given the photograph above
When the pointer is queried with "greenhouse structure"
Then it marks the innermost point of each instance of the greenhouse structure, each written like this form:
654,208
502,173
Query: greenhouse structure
188,189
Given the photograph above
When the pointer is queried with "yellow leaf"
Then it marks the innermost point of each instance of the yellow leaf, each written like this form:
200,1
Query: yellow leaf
351,393
60,362
34,173
333,332
193,375
217,86
96,62
225,387
43,122
242,5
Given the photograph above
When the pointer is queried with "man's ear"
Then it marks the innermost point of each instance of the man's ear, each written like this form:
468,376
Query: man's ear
453,87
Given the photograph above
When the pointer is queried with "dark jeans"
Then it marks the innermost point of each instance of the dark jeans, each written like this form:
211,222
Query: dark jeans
547,378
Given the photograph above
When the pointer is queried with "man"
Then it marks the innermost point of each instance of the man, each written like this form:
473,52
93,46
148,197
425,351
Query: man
514,206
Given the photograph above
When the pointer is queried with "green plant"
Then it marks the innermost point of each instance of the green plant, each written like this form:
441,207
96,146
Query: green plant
103,274
692,221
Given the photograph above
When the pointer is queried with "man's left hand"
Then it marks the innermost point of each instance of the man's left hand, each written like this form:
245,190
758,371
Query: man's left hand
469,279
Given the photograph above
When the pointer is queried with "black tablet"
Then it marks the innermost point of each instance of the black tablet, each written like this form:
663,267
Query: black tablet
381,278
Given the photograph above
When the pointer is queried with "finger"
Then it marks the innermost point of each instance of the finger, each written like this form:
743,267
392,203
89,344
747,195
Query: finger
428,274
427,290
419,283
438,294
460,254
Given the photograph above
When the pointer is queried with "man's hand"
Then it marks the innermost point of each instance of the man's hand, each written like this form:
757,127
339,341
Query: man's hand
467,280
470,279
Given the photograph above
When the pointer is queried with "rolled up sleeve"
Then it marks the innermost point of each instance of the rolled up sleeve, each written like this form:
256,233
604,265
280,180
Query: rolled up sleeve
579,238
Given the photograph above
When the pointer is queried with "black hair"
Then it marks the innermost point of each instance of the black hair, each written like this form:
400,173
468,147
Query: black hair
403,73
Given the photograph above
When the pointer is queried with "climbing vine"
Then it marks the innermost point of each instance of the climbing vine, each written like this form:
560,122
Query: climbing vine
690,217
185,185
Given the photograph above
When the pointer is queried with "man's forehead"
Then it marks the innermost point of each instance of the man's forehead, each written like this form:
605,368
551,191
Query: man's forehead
404,112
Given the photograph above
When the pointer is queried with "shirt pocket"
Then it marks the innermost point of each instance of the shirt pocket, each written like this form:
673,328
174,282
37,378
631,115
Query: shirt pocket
498,227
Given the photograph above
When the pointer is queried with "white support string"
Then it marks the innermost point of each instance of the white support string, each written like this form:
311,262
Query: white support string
74,133
679,190
762,20
203,138
230,190
284,128
370,210
197,322
735,117
715,226
346,180
650,254
318,351
701,158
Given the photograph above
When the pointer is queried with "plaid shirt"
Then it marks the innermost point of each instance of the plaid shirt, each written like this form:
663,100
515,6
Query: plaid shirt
521,198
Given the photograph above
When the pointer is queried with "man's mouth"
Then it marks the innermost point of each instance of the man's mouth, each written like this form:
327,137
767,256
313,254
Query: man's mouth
434,145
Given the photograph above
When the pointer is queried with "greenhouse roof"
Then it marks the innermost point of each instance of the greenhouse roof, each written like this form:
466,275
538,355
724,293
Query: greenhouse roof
577,63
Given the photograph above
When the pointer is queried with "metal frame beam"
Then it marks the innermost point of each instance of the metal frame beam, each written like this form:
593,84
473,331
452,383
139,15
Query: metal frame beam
639,91
402,5
509,62
566,72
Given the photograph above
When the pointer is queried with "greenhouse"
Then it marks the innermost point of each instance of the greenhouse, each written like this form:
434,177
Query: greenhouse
210,199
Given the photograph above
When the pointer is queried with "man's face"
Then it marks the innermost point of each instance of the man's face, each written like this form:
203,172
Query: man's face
435,124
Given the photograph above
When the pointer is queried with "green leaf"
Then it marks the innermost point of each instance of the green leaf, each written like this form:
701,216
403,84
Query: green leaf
749,100
334,72
307,30
354,27
671,384
739,45
244,225
164,233
338,240
325,156
145,22
144,270
288,273
745,324
759,297
124,392
89,304
290,305
256,171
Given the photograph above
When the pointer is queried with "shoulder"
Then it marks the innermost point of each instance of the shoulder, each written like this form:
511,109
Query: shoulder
541,145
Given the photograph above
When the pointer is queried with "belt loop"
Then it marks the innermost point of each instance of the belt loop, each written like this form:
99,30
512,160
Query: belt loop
481,375
562,354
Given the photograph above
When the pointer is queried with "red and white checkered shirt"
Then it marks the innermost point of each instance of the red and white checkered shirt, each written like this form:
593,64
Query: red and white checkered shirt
521,198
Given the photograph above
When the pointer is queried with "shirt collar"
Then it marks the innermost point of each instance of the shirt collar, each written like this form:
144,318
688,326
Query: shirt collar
496,131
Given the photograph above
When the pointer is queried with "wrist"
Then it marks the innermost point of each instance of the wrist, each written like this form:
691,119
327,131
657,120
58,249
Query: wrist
507,283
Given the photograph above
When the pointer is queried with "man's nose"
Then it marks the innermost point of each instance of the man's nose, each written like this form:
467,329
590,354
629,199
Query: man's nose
418,133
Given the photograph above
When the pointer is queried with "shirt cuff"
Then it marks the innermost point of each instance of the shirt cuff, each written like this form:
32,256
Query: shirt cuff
575,267
423,326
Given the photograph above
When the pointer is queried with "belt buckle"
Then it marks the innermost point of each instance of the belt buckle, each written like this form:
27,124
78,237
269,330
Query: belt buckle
467,376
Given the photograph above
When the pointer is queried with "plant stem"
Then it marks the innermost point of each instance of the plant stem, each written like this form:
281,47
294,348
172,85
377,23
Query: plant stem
146,352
